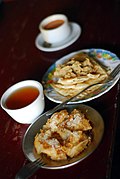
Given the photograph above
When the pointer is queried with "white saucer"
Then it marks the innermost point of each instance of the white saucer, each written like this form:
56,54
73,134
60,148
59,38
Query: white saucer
75,33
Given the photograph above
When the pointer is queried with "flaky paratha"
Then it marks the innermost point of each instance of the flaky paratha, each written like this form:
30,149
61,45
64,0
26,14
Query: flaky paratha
76,74
64,135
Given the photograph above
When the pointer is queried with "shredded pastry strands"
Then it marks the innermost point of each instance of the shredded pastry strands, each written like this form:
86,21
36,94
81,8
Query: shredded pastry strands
64,135
76,74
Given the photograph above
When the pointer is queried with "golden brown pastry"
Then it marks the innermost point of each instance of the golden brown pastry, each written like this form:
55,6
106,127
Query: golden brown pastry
76,74
64,135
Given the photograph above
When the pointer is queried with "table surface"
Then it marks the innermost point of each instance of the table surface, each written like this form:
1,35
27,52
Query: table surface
21,60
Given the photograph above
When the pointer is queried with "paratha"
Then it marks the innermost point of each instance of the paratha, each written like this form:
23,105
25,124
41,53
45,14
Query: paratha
76,74
65,135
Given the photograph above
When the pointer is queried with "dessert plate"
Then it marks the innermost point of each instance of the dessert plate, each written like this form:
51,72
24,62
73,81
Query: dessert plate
108,59
97,132
75,33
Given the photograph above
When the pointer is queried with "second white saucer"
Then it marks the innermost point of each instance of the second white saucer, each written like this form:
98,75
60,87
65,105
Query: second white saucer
75,33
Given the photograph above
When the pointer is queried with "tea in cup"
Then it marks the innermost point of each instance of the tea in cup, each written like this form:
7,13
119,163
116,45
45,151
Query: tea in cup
24,101
55,28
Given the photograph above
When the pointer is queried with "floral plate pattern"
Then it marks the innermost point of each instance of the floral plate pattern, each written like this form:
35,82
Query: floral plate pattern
108,59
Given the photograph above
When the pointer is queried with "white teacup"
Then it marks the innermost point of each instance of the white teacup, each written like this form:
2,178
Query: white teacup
24,101
55,28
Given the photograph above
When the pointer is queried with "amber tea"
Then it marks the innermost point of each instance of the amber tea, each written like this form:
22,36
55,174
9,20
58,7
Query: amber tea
22,97
53,24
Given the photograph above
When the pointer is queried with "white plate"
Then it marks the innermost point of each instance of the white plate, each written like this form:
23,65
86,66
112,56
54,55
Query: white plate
75,33
97,133
108,59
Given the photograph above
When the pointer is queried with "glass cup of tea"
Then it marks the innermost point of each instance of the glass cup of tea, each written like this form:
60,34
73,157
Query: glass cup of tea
55,28
24,101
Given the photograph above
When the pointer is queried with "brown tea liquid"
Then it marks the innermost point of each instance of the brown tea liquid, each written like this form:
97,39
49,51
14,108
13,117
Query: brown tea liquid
53,24
22,97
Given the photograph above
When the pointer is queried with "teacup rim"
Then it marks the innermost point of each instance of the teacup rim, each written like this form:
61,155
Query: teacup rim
47,20
5,95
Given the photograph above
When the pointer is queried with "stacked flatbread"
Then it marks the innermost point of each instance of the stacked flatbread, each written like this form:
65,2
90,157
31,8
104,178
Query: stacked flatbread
76,74
64,135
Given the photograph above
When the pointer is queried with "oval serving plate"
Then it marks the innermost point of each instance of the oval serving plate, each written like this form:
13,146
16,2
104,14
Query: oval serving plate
106,58
97,132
